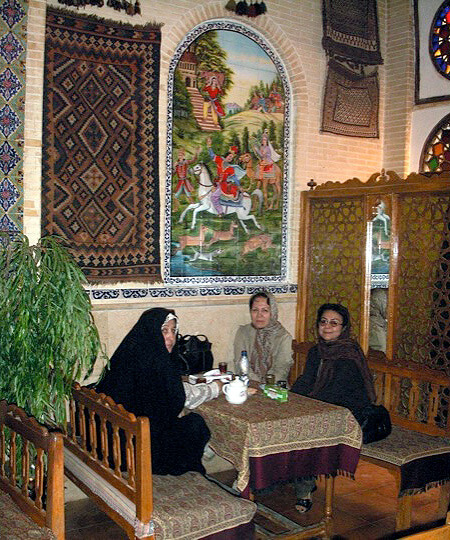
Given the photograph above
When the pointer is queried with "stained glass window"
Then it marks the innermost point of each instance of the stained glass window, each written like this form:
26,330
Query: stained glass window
436,151
440,40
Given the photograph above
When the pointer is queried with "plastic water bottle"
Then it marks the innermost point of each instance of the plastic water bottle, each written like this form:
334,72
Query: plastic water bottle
244,367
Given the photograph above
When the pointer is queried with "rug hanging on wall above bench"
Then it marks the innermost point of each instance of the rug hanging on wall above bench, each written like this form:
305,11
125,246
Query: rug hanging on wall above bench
100,187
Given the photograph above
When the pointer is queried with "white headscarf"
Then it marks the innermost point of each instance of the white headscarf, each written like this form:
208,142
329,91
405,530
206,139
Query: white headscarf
170,317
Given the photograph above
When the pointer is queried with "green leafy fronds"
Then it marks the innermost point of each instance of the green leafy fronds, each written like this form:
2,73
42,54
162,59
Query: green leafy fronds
48,337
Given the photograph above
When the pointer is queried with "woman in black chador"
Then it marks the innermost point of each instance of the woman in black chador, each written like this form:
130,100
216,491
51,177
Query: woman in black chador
144,376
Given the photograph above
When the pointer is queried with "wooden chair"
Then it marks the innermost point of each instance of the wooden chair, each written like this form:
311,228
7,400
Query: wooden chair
36,484
437,533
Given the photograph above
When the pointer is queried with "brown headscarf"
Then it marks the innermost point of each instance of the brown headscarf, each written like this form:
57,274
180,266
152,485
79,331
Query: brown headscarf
262,354
344,346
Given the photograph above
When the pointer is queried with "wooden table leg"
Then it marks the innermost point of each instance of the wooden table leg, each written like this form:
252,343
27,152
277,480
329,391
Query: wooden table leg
444,499
329,495
403,517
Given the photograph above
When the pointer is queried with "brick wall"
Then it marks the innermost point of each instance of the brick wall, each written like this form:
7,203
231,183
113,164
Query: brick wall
293,28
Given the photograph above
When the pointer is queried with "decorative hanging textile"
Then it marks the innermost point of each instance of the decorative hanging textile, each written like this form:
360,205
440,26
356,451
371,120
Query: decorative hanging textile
118,5
351,41
350,30
350,104
250,9
100,151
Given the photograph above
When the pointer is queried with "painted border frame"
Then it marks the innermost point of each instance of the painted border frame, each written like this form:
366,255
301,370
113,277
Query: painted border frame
189,38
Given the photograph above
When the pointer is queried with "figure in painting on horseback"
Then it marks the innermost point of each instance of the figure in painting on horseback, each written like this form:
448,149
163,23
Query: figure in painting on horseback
227,190
267,156
267,172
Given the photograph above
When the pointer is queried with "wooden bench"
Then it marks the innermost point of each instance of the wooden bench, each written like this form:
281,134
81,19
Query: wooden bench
417,452
107,455
31,476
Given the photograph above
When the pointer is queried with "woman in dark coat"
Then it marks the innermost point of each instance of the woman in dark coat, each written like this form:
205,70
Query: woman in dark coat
144,376
336,371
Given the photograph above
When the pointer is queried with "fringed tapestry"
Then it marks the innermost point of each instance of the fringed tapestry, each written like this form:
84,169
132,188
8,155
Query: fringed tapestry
350,104
100,152
350,30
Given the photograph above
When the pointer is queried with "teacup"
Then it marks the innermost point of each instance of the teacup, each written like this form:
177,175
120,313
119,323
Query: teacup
235,392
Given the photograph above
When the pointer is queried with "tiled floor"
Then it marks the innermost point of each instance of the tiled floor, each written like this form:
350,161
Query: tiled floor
364,509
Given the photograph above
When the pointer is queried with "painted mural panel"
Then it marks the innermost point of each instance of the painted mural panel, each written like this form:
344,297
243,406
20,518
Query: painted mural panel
227,192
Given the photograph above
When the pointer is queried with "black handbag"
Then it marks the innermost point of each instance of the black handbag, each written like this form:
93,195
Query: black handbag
195,354
375,423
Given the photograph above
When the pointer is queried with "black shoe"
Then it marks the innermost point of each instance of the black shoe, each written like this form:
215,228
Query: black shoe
303,505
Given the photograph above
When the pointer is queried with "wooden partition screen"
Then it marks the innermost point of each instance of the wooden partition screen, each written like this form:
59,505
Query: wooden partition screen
336,256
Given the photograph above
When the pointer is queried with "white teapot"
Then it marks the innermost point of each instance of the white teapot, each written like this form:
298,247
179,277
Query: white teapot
235,391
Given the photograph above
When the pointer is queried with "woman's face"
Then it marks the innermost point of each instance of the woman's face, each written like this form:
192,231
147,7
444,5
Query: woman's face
260,312
169,334
330,325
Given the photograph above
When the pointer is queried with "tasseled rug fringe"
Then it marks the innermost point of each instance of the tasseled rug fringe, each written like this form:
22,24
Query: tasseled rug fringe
430,485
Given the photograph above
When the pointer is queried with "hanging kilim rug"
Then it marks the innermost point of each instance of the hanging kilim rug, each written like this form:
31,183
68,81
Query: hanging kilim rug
350,105
100,151
350,30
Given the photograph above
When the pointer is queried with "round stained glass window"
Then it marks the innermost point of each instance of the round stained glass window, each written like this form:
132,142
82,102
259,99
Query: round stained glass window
440,40
436,150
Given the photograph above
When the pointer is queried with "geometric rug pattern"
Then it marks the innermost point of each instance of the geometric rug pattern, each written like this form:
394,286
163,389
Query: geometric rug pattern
100,186
13,34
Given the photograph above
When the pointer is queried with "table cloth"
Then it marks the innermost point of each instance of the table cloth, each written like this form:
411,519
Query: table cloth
270,442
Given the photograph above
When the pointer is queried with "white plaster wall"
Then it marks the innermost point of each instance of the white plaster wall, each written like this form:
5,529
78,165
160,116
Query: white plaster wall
431,82
425,117
424,121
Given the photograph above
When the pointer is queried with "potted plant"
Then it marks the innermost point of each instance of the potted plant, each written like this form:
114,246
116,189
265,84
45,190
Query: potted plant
48,337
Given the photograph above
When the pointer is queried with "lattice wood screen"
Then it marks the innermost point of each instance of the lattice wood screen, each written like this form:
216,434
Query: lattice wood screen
336,250
332,262
420,238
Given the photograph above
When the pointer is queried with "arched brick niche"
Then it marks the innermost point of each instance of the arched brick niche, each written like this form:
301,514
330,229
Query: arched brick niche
289,55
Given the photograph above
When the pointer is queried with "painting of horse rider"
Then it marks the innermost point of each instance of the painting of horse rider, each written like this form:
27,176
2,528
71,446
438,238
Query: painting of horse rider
227,179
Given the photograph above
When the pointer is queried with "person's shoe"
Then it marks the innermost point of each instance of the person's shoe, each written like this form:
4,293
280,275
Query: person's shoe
208,453
304,505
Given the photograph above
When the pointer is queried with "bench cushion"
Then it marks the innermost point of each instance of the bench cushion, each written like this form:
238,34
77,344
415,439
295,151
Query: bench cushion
188,503
185,507
15,525
424,460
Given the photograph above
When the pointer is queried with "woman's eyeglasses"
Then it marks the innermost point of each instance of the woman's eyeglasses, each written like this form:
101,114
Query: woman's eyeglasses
332,323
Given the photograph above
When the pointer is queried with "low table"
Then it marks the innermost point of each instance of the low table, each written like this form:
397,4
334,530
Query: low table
269,442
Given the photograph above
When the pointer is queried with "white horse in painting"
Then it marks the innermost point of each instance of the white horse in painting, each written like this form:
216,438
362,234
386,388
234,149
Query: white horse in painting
205,188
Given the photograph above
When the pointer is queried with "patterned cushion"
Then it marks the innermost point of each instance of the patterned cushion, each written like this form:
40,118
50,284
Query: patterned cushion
190,507
15,525
185,507
404,445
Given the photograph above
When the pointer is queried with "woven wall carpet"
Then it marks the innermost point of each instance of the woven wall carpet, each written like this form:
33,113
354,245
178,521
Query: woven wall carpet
100,151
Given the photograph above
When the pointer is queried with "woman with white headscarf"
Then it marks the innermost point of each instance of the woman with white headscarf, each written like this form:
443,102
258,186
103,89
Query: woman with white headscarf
267,342
144,376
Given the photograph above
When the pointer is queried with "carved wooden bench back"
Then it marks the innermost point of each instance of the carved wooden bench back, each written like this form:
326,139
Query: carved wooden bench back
34,482
416,397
